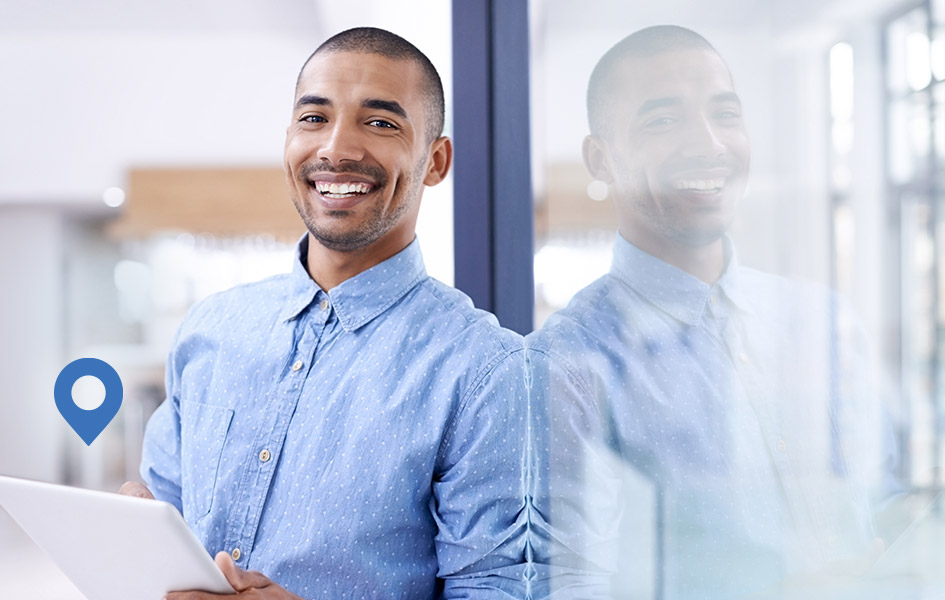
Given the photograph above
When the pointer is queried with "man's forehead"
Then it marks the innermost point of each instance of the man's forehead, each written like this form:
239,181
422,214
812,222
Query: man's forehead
358,68
673,72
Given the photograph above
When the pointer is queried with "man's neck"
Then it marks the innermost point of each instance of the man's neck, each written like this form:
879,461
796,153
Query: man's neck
328,267
703,262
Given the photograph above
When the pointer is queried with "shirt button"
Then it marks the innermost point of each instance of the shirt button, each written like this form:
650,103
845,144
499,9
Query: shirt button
782,446
743,357
297,366
236,554
324,305
264,456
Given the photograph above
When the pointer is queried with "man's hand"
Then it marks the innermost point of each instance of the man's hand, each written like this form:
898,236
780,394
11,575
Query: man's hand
133,488
251,585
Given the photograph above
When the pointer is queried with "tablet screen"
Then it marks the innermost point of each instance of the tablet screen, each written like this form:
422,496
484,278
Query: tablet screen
112,547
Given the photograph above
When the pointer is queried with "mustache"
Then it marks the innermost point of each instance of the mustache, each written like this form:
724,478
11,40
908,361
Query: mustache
374,173
696,164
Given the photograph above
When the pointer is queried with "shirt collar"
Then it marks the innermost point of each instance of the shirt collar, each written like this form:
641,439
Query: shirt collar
731,280
303,289
671,289
363,297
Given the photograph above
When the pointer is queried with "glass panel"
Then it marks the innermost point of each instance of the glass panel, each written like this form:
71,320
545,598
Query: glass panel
844,232
692,405
908,65
841,82
937,12
938,39
909,138
918,333
938,92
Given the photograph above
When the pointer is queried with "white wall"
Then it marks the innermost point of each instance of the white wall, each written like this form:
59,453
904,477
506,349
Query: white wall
31,327
93,89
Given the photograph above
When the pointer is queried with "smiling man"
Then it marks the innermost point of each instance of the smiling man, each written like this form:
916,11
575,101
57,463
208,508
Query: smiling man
739,397
353,429
672,145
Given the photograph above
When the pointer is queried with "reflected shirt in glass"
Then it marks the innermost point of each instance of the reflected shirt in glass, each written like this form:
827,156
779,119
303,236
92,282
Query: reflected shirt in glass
365,442
742,404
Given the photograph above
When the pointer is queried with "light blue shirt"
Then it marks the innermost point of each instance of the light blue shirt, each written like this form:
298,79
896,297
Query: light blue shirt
364,442
745,404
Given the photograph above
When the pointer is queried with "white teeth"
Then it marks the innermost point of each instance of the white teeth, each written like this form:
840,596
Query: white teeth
342,189
701,185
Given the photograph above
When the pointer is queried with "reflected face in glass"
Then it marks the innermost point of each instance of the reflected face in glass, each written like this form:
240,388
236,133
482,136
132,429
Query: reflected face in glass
677,158
356,153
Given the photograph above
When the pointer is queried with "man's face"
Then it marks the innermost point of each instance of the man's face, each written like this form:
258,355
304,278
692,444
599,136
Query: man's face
356,152
677,157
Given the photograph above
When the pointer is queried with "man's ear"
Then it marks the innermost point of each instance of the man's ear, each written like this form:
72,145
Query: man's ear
594,150
441,158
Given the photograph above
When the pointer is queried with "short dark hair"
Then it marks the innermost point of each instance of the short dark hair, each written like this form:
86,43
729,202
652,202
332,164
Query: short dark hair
371,40
640,44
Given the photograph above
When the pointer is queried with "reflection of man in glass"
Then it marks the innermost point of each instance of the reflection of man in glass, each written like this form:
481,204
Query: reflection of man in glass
730,390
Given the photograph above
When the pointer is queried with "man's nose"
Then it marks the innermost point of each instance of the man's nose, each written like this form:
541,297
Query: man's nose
704,140
342,143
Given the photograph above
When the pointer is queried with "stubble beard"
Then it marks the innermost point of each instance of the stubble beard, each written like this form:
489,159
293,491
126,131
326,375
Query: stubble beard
376,224
682,225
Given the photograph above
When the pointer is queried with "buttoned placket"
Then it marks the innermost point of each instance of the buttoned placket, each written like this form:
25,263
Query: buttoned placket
263,456
754,389
764,401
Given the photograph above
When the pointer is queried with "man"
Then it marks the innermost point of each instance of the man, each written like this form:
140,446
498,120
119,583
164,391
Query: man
732,392
353,429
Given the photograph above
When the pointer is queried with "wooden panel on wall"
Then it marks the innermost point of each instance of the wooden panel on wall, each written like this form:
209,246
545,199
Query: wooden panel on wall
564,206
226,202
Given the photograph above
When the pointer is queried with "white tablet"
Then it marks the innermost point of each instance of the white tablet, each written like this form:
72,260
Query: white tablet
112,547
907,555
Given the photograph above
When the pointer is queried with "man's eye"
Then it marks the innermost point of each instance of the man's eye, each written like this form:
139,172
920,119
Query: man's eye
659,123
381,123
313,119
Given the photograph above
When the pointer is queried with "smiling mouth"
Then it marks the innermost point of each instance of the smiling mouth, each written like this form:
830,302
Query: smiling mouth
337,191
701,186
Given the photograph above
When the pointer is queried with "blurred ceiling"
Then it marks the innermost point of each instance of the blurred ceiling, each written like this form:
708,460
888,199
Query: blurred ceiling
783,18
49,16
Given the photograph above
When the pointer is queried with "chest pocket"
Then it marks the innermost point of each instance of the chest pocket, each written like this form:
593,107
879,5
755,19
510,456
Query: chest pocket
203,433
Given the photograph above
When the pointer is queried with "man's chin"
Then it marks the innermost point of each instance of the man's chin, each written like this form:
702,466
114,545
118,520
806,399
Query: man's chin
701,237
340,242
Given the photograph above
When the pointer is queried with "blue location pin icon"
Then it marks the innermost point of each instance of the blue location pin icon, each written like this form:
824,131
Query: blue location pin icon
88,423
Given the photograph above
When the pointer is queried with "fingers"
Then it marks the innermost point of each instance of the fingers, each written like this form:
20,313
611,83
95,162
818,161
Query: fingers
251,585
240,580
138,490
193,596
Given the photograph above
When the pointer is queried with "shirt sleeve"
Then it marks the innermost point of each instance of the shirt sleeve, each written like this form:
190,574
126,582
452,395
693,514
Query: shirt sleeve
479,499
161,449
575,484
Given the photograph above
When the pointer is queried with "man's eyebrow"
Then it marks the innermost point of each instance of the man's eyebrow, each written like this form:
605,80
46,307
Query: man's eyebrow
391,106
309,99
656,103
727,97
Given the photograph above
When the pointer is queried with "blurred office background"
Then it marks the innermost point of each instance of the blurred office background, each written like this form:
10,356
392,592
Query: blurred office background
140,170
